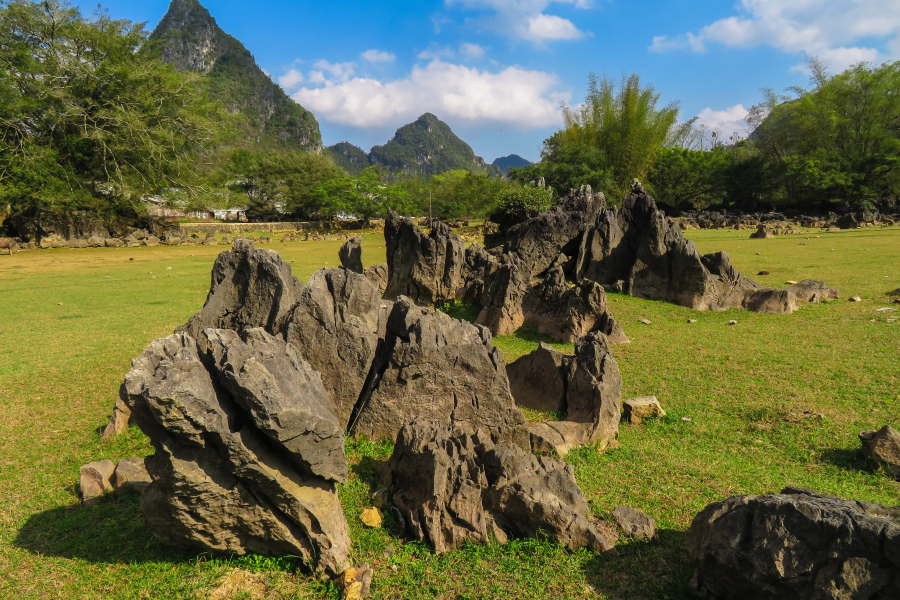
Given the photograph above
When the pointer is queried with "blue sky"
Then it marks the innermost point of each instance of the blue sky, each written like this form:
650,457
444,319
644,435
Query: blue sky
496,70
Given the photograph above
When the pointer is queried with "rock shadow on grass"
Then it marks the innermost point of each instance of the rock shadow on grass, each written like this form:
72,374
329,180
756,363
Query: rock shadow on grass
643,569
113,531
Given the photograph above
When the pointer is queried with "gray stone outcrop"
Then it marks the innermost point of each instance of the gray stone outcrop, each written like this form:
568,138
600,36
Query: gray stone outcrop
797,544
454,485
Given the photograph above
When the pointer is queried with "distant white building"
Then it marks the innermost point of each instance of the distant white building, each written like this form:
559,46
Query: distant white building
230,214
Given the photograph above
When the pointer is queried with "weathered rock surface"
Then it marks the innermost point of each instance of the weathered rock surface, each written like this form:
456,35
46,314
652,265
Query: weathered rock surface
237,467
586,386
250,288
118,422
95,481
567,313
502,301
810,290
339,323
635,523
132,473
883,446
540,241
435,365
351,254
455,484
637,410
762,233
538,380
377,276
797,544
476,274
425,269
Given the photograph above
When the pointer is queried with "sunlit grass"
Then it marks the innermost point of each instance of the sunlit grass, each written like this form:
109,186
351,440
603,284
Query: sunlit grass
71,321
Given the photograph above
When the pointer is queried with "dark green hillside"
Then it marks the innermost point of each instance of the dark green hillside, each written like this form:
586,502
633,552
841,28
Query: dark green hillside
350,158
428,147
189,38
513,161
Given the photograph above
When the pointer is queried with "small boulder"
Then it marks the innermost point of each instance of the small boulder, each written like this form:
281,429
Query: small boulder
636,410
372,517
113,243
118,422
762,233
832,229
855,299
95,481
152,241
635,523
131,472
883,446
355,582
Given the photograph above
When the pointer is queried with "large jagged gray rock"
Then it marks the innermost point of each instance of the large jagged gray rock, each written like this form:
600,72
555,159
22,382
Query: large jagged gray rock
502,301
540,241
476,275
639,247
883,446
586,386
377,276
250,288
339,323
454,485
435,365
350,254
567,313
238,467
797,544
425,269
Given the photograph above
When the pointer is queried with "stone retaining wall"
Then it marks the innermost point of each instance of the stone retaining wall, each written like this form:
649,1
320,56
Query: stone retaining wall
232,228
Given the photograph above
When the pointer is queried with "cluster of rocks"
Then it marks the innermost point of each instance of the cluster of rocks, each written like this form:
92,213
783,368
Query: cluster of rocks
853,215
634,249
314,236
248,403
437,268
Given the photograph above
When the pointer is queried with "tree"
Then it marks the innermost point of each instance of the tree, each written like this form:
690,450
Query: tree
567,166
458,194
365,197
619,127
683,179
88,120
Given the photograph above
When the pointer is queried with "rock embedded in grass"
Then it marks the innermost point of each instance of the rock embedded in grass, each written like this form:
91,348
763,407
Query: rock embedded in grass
636,410
883,446
635,523
455,485
95,481
797,544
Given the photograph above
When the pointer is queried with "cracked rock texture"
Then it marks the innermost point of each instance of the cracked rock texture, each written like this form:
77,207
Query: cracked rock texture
455,484
248,451
797,544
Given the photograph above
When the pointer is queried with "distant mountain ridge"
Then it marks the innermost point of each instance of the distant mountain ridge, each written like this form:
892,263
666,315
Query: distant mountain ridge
506,163
189,38
426,146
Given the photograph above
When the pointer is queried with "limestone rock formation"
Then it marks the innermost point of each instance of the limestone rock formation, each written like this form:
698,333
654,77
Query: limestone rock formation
94,481
247,449
432,364
883,446
586,386
250,288
377,276
565,313
637,410
338,324
455,484
502,301
810,290
351,254
635,523
425,269
797,544
540,241
476,275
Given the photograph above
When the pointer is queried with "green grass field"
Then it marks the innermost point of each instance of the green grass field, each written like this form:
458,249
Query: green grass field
776,400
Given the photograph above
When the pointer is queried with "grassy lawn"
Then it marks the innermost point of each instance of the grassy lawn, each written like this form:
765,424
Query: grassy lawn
775,400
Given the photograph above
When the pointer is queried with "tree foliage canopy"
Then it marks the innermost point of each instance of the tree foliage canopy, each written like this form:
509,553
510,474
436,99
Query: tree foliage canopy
89,121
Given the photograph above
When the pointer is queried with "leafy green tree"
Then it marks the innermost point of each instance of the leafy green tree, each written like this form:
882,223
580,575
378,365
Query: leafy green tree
365,197
837,141
459,194
88,121
520,202
683,179
567,166
620,129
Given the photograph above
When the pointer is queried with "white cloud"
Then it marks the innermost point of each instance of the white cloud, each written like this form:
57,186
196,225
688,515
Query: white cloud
471,51
340,71
829,29
377,56
291,80
513,96
725,122
525,19
434,53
